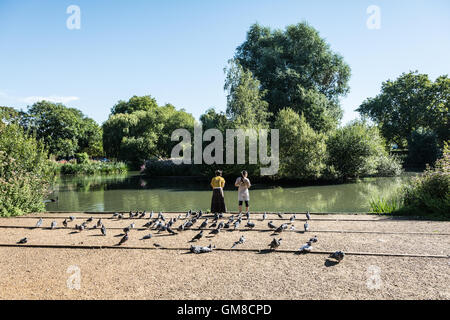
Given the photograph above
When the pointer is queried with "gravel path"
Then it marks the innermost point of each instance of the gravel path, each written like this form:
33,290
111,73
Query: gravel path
42,273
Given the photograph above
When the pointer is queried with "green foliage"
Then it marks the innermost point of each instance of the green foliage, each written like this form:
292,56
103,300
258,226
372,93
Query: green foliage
82,158
302,150
354,150
91,167
135,103
245,105
410,102
138,136
389,166
25,173
422,149
299,70
426,195
430,192
65,131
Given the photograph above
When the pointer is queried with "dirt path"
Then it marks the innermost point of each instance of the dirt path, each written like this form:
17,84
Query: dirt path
42,273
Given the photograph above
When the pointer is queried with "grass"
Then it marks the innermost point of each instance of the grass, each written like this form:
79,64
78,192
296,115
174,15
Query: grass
91,167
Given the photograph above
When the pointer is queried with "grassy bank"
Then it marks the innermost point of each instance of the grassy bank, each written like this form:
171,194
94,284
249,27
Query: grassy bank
427,195
89,167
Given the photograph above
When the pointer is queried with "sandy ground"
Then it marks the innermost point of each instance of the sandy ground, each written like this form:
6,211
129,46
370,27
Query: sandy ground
42,273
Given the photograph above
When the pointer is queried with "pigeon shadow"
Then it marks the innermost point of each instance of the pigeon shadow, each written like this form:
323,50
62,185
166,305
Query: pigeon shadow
119,235
165,235
73,232
330,263
96,235
265,251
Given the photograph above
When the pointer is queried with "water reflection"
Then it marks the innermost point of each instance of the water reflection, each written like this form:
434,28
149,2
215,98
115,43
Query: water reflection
132,192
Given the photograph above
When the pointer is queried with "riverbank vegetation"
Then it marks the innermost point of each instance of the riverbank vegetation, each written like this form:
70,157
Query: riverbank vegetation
426,195
25,171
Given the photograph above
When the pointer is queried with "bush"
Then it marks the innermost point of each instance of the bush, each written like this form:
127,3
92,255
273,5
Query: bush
25,172
82,157
422,149
425,195
354,149
389,166
91,167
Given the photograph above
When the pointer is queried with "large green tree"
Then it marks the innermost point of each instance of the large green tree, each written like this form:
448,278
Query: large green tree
299,70
302,150
65,131
143,134
409,103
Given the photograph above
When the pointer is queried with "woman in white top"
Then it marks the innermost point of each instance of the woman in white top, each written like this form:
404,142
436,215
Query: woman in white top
243,195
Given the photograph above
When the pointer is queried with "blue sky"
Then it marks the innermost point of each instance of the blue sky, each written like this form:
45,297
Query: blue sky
175,50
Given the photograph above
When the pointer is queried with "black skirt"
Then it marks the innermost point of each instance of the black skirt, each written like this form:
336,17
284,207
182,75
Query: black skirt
218,202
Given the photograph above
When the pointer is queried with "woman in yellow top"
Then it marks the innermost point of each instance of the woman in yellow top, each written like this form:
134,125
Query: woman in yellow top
218,200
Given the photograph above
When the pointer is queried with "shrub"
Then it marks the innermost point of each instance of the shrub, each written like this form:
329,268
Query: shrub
25,172
354,149
389,166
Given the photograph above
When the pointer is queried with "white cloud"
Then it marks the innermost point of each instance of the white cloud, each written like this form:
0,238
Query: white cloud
55,99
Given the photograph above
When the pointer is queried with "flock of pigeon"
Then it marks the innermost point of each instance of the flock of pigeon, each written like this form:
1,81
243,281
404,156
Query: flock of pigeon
160,224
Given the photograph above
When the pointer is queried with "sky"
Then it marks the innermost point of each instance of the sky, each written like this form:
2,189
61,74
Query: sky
176,50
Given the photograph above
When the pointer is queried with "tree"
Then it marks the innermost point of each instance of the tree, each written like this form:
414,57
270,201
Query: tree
409,103
135,103
143,134
65,131
25,172
354,150
245,104
299,70
302,150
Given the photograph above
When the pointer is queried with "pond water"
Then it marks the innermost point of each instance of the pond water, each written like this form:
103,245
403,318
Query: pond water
133,192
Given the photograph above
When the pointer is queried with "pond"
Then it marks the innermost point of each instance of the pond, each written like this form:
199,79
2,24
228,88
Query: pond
133,192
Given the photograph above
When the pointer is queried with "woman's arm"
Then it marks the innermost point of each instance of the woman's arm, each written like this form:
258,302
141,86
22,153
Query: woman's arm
238,182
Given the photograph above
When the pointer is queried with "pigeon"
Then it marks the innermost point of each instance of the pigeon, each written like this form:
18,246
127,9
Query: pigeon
271,225
200,214
142,215
72,218
148,236
39,223
264,216
148,224
215,231
198,249
279,229
213,225
103,230
306,247
306,226
151,215
89,219
292,228
240,241
132,225
292,219
308,216
180,227
313,239
99,223
188,224
280,215
338,255
221,225
169,230
161,216
198,236
53,225
120,216
157,245
247,215
80,227
188,214
236,224
65,223
226,225
126,229
204,224
275,243
22,241
123,240
115,214
250,225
